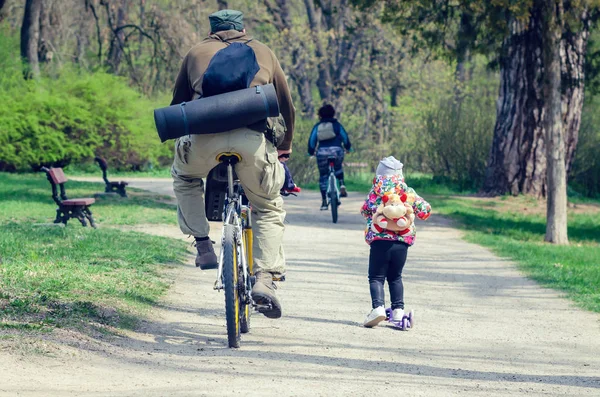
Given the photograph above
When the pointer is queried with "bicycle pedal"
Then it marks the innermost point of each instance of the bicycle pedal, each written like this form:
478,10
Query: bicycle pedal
263,306
252,281
279,278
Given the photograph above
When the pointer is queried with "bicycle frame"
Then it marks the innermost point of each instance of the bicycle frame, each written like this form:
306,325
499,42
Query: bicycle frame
240,216
332,177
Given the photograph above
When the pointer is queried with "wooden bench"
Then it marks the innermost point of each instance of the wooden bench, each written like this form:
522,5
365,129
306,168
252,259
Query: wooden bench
111,187
78,208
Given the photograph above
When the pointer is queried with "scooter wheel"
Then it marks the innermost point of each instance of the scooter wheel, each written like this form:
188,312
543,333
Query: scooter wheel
404,324
411,318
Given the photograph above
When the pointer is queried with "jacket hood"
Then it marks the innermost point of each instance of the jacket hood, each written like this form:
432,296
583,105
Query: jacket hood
387,184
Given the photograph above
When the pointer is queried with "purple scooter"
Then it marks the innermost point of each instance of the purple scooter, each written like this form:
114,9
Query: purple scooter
408,320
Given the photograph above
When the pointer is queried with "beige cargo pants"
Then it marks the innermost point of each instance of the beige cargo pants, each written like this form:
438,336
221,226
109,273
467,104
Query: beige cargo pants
260,174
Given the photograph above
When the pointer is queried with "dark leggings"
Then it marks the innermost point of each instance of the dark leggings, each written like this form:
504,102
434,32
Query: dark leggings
386,260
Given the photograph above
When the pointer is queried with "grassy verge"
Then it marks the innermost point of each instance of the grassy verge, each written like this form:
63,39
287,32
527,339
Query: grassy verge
514,227
28,197
92,169
74,276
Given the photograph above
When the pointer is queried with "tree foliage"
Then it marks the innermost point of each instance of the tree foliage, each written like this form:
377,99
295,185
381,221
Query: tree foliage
406,76
72,117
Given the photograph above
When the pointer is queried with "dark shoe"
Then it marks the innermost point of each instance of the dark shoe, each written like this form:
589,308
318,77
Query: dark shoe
324,205
206,258
263,295
343,191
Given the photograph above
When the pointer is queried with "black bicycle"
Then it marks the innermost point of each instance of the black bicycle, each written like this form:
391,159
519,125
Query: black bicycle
333,191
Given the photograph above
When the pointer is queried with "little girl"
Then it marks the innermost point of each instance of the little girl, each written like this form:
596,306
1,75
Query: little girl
388,247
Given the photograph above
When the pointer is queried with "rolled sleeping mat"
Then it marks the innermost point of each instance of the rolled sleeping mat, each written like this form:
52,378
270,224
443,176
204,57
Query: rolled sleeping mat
218,113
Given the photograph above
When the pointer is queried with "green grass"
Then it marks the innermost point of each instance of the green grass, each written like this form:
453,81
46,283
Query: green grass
52,276
514,227
92,169
28,197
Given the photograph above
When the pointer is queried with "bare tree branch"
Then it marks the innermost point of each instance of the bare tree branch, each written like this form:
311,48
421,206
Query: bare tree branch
89,4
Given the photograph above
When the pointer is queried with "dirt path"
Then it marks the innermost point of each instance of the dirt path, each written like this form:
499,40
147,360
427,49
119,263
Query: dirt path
483,329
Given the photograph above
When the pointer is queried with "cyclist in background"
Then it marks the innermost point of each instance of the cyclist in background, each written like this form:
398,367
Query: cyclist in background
329,139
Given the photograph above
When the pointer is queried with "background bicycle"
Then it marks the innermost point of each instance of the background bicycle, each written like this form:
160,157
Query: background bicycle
333,191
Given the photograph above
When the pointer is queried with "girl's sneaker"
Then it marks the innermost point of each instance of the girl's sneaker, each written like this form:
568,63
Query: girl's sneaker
376,316
397,314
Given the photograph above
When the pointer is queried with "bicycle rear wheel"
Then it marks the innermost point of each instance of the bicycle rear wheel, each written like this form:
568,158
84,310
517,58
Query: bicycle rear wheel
230,284
333,199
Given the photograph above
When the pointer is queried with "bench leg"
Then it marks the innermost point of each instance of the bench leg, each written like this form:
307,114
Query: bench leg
121,191
59,216
88,214
62,216
80,215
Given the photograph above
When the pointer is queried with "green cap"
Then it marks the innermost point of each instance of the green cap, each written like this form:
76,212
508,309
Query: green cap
226,20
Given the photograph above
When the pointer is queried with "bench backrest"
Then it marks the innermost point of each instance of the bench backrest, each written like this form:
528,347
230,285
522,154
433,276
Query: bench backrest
103,166
57,175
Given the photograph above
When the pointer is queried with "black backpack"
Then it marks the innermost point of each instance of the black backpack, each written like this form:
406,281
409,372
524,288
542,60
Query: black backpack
232,68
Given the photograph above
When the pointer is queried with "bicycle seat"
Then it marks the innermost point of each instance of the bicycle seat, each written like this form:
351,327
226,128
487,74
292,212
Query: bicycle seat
216,186
229,158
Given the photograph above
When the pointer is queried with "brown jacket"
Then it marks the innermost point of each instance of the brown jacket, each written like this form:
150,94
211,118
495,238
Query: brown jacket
189,81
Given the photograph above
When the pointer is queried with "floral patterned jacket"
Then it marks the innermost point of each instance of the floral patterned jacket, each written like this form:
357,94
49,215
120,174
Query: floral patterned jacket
392,184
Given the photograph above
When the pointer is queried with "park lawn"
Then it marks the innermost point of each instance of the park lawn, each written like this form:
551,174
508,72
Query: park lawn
52,276
28,197
514,228
92,169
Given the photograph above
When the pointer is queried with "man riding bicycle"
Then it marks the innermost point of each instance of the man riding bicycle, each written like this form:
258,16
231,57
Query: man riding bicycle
329,135
259,170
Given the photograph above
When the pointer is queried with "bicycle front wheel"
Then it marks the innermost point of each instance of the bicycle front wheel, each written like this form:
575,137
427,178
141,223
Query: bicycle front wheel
333,199
230,284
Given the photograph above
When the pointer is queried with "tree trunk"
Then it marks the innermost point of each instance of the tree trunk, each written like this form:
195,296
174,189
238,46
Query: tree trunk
517,162
345,43
2,4
464,42
301,78
324,80
30,35
298,70
115,53
556,214
45,53
222,4
394,93
573,50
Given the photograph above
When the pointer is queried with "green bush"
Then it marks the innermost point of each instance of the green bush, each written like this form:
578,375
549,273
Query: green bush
458,134
585,174
302,167
75,116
